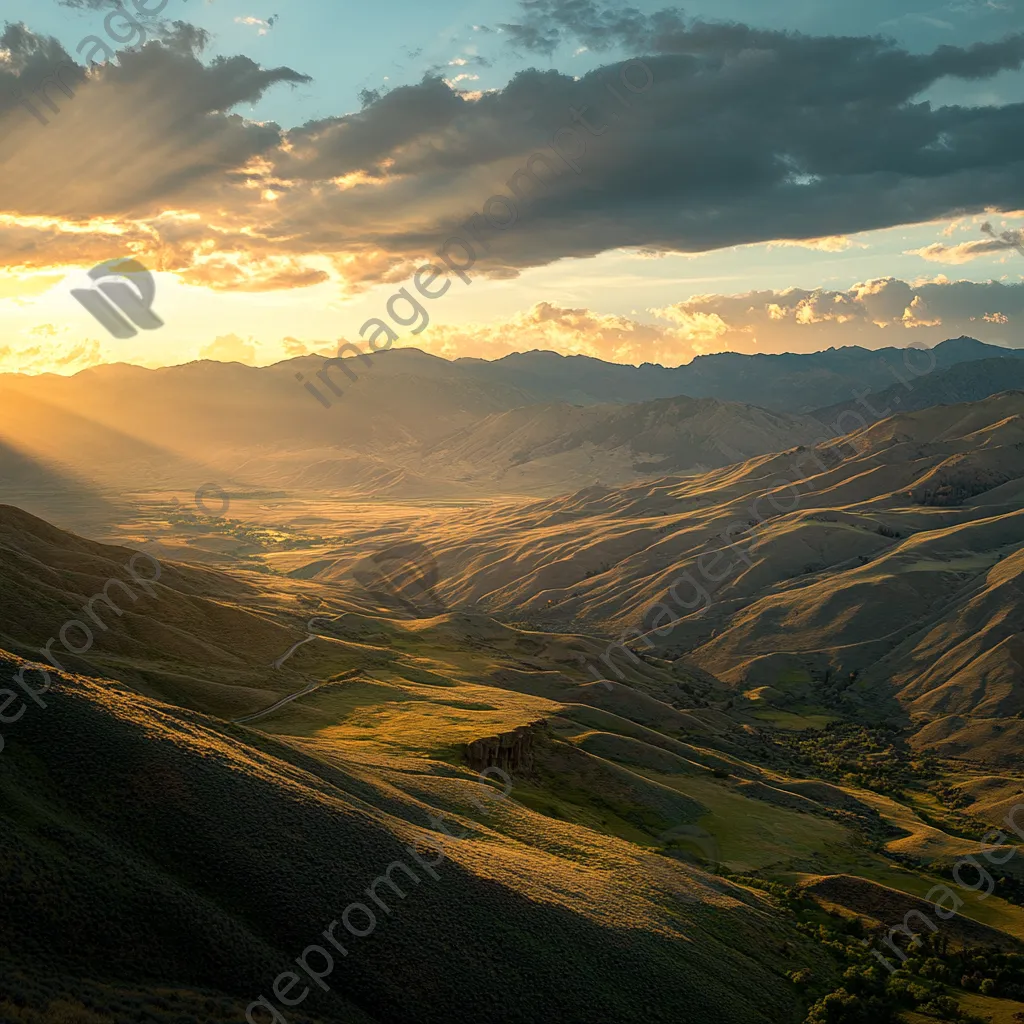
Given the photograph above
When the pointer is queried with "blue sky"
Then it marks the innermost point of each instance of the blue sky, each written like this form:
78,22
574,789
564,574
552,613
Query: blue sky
349,47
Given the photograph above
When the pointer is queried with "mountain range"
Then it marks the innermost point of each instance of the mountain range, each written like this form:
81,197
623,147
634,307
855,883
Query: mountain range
787,382
415,426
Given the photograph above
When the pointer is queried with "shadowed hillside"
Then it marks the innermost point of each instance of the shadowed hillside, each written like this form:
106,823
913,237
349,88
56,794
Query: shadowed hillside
151,846
589,878
965,382
787,382
557,447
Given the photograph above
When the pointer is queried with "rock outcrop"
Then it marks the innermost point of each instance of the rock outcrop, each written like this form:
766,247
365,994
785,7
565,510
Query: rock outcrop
510,751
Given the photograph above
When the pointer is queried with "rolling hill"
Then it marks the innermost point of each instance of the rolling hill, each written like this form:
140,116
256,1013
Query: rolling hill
147,847
965,382
659,806
890,556
551,448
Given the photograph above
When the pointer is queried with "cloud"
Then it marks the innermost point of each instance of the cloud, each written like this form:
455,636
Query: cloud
1005,241
964,252
836,243
709,156
89,5
240,271
548,24
79,356
911,20
1011,239
569,331
453,82
133,136
262,27
145,17
230,348
293,347
21,287
53,354
875,313
464,60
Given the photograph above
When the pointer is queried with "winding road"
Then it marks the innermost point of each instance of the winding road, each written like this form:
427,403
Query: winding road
278,704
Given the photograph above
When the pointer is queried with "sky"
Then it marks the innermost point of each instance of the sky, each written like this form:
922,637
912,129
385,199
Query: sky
637,182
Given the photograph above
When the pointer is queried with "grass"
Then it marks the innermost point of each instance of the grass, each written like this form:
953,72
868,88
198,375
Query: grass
993,911
332,704
314,796
794,721
998,1011
753,835
243,848
600,818
404,719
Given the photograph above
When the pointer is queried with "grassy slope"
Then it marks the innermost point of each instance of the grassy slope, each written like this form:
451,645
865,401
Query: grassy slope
123,813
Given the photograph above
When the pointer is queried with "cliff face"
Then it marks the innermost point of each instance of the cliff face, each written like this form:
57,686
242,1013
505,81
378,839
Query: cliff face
510,751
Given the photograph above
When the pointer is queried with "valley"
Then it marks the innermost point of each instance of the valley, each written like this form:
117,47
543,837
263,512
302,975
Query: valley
772,701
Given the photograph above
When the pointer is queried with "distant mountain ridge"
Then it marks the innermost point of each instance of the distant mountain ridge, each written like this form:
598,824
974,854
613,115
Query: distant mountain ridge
785,382
964,382
413,425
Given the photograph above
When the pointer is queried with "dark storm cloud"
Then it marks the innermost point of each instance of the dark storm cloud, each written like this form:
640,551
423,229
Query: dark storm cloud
545,25
149,13
746,135
363,141
29,58
184,37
